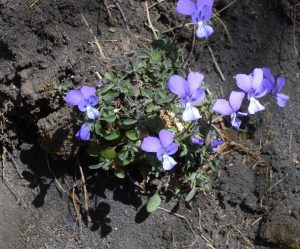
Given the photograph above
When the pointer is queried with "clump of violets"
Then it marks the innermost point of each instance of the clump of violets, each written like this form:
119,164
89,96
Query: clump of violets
190,93
200,12
85,99
231,107
275,89
163,146
254,86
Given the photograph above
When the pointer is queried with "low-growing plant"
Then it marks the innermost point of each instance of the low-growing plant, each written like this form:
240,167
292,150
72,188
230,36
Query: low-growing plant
158,119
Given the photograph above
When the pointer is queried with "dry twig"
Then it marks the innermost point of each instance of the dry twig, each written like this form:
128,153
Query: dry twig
77,210
31,5
107,9
244,238
85,193
216,63
95,38
158,2
15,164
57,183
227,6
3,158
225,28
149,21
192,50
187,221
294,21
209,244
122,14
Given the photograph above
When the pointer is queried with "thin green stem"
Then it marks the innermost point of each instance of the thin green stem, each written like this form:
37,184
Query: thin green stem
185,131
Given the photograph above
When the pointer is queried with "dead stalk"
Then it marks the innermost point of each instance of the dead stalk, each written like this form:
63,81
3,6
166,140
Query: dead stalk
187,221
31,5
77,211
216,63
85,193
149,21
294,21
57,183
101,52
122,14
15,164
225,28
192,50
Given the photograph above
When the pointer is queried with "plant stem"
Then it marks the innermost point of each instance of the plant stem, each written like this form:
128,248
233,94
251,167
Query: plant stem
185,130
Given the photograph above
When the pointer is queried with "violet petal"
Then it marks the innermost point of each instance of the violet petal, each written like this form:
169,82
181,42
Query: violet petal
194,81
185,7
281,99
151,144
222,107
168,162
166,138
178,85
74,97
88,91
236,99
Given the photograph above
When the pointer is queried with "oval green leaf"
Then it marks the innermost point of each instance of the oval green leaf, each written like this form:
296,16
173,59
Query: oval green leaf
191,194
112,136
132,135
120,173
128,122
109,153
153,203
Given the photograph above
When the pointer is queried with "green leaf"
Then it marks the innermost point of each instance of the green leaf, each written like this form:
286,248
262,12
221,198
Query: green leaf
97,129
112,136
110,118
126,162
93,151
162,94
127,122
135,91
120,173
150,107
109,153
106,88
138,144
102,165
109,76
132,135
153,203
191,194
147,93
184,150
212,165
177,190
156,56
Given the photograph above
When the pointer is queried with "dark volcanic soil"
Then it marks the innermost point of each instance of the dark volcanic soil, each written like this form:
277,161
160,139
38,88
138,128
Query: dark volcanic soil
252,203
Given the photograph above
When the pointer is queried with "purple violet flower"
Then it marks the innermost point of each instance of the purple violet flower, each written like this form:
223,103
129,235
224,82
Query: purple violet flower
163,146
214,144
269,83
85,99
197,141
253,85
231,107
85,132
190,93
201,13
